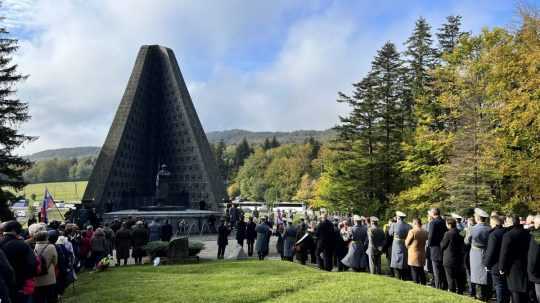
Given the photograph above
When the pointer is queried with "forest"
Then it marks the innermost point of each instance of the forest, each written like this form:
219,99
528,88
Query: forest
449,121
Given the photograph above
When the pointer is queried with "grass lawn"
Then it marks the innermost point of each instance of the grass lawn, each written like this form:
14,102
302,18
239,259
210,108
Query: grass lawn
61,191
246,281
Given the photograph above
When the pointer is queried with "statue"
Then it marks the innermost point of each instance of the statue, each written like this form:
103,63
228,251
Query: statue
162,184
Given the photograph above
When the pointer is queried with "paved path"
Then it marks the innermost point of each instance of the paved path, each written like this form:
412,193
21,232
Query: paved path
210,247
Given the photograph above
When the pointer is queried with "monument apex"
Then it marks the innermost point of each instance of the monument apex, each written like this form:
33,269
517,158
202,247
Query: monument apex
155,124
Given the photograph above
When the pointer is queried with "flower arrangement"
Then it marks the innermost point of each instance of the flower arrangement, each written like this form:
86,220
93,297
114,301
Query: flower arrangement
104,263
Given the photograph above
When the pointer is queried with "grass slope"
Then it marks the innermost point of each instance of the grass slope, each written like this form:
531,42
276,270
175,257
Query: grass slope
61,191
246,281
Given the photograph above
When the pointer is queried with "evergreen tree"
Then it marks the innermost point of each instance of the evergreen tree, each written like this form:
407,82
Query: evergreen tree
421,58
449,34
275,143
13,112
387,72
243,150
266,145
219,154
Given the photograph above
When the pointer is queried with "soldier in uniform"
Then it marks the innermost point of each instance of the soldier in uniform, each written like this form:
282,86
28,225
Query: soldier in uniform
478,238
289,239
355,257
398,231
376,241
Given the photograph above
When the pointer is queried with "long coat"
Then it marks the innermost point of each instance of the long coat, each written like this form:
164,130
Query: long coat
416,247
436,231
140,238
399,231
356,256
453,249
251,234
289,238
376,241
478,239
223,235
491,259
513,258
533,263
263,236
123,243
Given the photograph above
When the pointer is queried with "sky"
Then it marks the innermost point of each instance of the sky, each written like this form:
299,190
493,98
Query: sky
256,65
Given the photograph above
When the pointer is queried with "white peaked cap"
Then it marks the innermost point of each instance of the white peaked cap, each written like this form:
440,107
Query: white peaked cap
374,219
456,216
400,214
481,213
356,218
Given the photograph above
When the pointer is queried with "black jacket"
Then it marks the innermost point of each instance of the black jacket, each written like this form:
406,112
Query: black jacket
326,235
240,230
21,258
533,264
453,249
436,231
491,258
513,258
251,234
223,235
7,278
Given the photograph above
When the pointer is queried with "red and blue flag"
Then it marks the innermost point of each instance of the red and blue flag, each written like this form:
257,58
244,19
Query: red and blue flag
48,202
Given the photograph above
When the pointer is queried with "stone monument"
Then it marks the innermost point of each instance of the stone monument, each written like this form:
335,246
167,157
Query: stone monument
155,124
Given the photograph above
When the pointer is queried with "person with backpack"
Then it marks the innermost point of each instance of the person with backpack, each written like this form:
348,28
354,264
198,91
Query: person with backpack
21,259
45,291
64,268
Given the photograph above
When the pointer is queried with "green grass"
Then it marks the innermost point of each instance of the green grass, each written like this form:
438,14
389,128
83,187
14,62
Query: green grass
61,191
246,281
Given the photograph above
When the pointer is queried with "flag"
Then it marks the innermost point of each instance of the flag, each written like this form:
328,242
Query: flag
48,202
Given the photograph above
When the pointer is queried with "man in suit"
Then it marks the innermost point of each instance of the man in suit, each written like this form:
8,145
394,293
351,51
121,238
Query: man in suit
533,262
513,259
326,239
251,234
491,258
436,231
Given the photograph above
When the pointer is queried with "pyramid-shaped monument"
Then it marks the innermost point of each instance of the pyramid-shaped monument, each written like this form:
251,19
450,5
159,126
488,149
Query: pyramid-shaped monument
156,124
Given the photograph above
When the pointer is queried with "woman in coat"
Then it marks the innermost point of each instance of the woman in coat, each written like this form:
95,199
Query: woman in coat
453,249
123,244
416,251
46,284
99,246
263,235
513,259
356,256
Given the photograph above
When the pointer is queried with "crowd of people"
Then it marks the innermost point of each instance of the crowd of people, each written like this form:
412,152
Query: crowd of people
487,256
38,263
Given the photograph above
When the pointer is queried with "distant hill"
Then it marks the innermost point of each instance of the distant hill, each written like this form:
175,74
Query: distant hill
230,137
235,136
65,153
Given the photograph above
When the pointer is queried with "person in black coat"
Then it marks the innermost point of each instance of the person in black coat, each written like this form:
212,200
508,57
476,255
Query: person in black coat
241,231
7,278
513,259
251,235
223,238
166,231
326,243
21,258
533,264
453,249
437,228
491,259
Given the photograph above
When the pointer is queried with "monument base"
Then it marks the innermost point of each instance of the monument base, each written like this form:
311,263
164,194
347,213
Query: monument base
194,220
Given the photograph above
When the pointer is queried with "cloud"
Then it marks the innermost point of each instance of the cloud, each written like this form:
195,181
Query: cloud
259,65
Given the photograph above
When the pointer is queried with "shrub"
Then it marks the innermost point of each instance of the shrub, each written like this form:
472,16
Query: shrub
156,249
195,248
